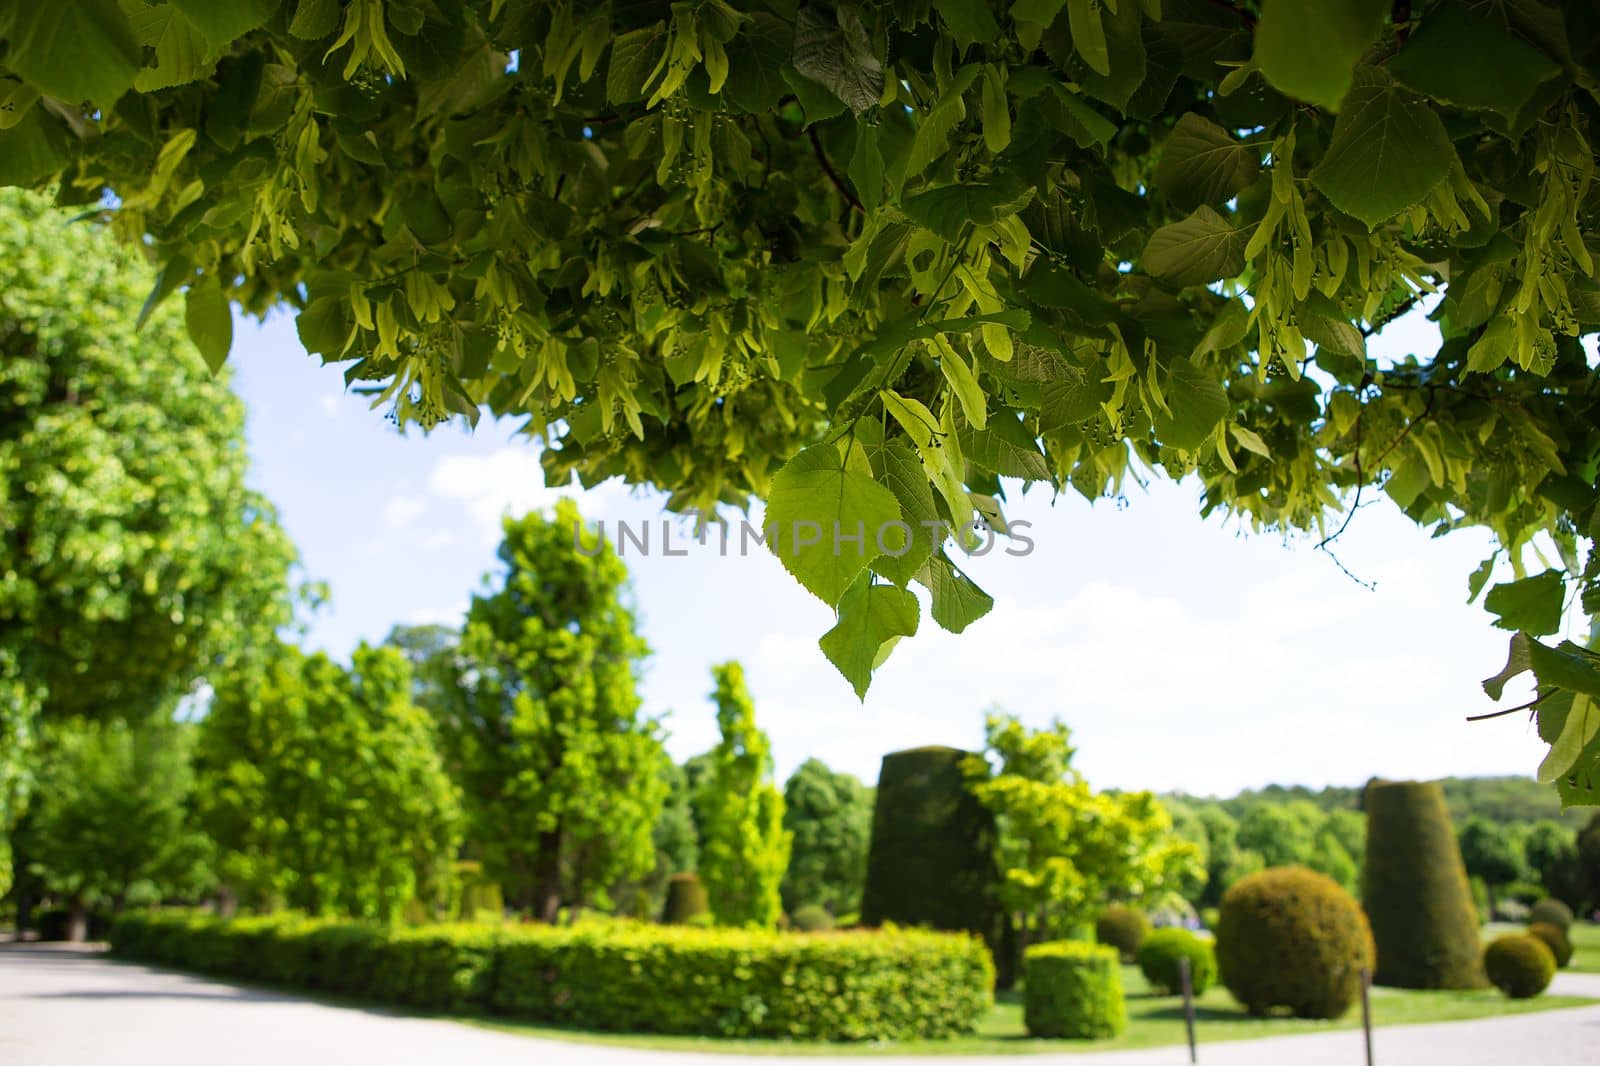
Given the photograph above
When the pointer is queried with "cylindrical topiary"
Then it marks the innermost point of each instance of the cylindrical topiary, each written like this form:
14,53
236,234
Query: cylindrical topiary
1555,938
1551,912
1160,960
1123,928
1072,989
931,857
1290,937
1415,891
812,918
1519,964
686,901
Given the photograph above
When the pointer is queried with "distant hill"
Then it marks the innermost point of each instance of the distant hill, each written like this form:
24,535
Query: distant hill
1499,799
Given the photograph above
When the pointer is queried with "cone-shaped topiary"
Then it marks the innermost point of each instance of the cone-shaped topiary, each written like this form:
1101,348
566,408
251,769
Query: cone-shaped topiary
1160,960
1551,912
931,858
1074,990
1520,965
1123,928
1555,938
1415,890
1290,937
686,900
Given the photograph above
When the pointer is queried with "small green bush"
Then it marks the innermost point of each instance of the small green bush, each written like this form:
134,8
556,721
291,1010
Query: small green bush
1122,928
1551,912
1290,937
1073,989
1555,938
812,918
879,985
1160,956
1519,964
686,901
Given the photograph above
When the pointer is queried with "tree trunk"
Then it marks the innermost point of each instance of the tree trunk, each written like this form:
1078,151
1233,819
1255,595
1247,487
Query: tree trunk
547,879
78,920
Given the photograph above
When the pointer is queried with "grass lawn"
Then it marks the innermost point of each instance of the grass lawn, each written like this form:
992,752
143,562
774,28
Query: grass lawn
1152,1021
1585,944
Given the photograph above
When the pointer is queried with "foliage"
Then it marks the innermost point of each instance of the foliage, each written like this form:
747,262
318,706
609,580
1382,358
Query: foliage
605,975
1291,937
1519,964
1064,848
561,777
1226,861
1552,853
1122,927
1415,890
744,847
1552,912
478,898
829,816
812,918
717,247
675,838
931,860
1555,938
1589,860
1160,955
1283,834
1073,990
1492,852
686,900
322,786
1189,826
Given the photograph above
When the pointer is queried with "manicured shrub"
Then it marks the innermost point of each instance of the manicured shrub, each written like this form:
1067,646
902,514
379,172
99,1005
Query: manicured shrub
879,985
1519,964
1122,928
812,918
1072,989
1551,912
686,901
1555,938
480,898
1290,937
1160,960
1415,890
931,857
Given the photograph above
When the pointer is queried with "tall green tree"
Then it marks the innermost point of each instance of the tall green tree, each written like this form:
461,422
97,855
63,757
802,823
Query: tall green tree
829,816
1552,852
1188,826
132,556
1283,834
322,785
1226,859
561,775
744,847
1493,852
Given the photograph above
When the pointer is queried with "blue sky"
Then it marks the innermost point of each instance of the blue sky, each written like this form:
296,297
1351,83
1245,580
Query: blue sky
1185,654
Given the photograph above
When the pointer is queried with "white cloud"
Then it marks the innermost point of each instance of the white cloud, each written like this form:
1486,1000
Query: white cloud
329,404
401,511
507,481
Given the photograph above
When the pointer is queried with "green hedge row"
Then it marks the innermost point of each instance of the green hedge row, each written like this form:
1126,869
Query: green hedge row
1073,989
871,985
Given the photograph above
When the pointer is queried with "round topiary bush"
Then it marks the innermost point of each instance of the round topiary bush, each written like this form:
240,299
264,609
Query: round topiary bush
686,901
812,918
1122,928
1551,912
1072,989
1290,937
1555,938
1415,890
1160,960
1519,964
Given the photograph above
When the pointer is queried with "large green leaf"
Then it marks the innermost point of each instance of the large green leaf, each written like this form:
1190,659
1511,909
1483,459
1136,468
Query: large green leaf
1006,448
210,322
837,53
1388,150
1202,163
957,600
1532,605
896,465
872,618
181,53
1461,58
1198,403
1307,48
32,149
1203,248
823,520
73,50
947,209
756,59
222,21
634,56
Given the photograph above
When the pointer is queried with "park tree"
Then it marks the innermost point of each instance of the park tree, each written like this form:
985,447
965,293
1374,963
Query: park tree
322,785
1187,825
744,847
829,815
864,261
1588,849
1337,846
132,556
1491,852
1283,834
1552,852
1226,859
561,775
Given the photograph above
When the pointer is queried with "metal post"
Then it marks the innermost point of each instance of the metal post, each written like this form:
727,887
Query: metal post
1366,1010
1188,1007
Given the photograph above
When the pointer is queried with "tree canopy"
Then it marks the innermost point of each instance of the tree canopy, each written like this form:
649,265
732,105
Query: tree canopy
866,260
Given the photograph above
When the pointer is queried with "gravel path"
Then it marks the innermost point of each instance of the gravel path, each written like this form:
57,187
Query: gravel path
66,1007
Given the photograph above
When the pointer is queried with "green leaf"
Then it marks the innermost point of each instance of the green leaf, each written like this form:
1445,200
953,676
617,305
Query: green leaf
1006,448
1458,57
1581,724
996,112
634,56
872,618
1089,34
947,209
224,21
970,21
1198,403
1532,605
838,54
315,19
1201,249
866,168
1388,150
1125,55
814,505
32,149
1307,48
74,50
181,52
895,465
1201,163
210,322
1076,117
963,383
1497,344
957,600
932,138
175,273
325,326
756,59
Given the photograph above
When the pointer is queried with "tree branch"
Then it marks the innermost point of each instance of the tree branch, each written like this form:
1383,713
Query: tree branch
833,175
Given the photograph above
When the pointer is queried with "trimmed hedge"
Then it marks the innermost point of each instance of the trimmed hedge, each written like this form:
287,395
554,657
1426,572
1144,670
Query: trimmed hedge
1415,890
1073,989
887,985
1551,912
686,900
1519,964
1123,928
1160,956
1555,938
1290,937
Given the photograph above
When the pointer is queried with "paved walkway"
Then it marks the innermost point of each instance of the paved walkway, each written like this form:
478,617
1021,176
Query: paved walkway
65,1007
